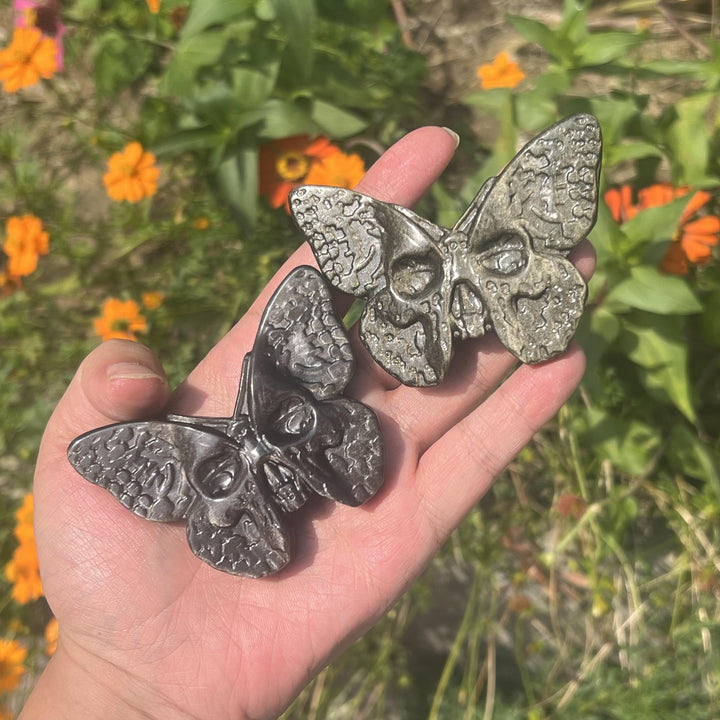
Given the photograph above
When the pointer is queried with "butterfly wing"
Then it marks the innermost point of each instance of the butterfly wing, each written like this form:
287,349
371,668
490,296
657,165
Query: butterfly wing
539,207
141,464
167,471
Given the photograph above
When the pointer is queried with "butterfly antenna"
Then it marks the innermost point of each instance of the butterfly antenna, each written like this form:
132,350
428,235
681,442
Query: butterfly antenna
241,404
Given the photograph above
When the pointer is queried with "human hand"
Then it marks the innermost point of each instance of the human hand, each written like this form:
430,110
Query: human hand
148,630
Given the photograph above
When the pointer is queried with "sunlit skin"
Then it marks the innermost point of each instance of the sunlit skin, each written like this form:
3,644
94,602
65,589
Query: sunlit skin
148,630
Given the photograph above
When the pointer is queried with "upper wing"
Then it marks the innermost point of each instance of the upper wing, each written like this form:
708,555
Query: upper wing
143,464
301,338
550,188
351,234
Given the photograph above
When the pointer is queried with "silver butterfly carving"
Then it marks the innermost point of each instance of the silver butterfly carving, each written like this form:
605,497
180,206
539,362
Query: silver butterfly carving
233,479
503,267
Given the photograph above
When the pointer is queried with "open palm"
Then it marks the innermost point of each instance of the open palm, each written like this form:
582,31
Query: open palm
148,630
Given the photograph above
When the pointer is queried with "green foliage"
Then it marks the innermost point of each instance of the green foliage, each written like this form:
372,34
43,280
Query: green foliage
610,613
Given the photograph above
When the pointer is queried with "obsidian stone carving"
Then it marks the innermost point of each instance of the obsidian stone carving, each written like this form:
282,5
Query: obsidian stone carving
503,267
292,433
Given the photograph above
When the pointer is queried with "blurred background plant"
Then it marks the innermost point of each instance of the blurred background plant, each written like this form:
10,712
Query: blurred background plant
146,199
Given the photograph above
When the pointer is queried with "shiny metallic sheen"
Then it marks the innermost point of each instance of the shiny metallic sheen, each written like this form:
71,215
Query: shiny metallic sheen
234,479
503,267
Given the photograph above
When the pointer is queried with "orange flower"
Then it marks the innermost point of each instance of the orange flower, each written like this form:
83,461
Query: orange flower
660,194
201,223
23,572
51,636
25,240
152,300
285,164
12,657
674,261
132,174
693,239
154,6
337,170
29,57
568,504
24,516
119,320
502,72
619,200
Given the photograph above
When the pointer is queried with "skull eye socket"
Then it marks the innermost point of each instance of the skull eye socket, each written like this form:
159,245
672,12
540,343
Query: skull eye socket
217,476
414,276
291,421
507,255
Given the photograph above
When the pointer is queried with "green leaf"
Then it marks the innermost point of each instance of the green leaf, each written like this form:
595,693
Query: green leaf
119,61
192,54
205,13
648,289
656,223
297,18
537,32
604,47
281,118
629,444
658,346
199,139
238,179
252,87
694,458
689,137
335,121
631,150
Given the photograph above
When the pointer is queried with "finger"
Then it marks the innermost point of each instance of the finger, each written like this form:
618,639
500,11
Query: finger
401,175
119,380
491,436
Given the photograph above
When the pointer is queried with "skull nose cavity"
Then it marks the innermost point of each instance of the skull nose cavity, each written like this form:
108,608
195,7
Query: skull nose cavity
467,310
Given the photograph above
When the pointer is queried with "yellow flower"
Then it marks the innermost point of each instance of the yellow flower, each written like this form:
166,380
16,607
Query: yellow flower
502,72
120,319
25,241
29,57
337,170
23,572
152,300
51,636
132,174
12,657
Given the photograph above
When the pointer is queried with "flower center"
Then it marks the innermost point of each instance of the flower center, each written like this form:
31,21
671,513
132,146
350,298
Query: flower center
128,170
120,325
292,166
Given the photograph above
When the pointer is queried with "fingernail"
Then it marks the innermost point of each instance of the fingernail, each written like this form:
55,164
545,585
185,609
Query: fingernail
453,135
131,371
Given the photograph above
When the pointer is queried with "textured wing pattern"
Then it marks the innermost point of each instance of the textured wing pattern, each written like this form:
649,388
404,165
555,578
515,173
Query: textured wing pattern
550,187
255,544
139,465
345,233
303,337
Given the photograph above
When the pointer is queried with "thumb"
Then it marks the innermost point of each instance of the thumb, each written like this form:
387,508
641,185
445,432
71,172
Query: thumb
119,380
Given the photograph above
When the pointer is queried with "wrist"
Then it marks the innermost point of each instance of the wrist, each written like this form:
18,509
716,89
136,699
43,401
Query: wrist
75,686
